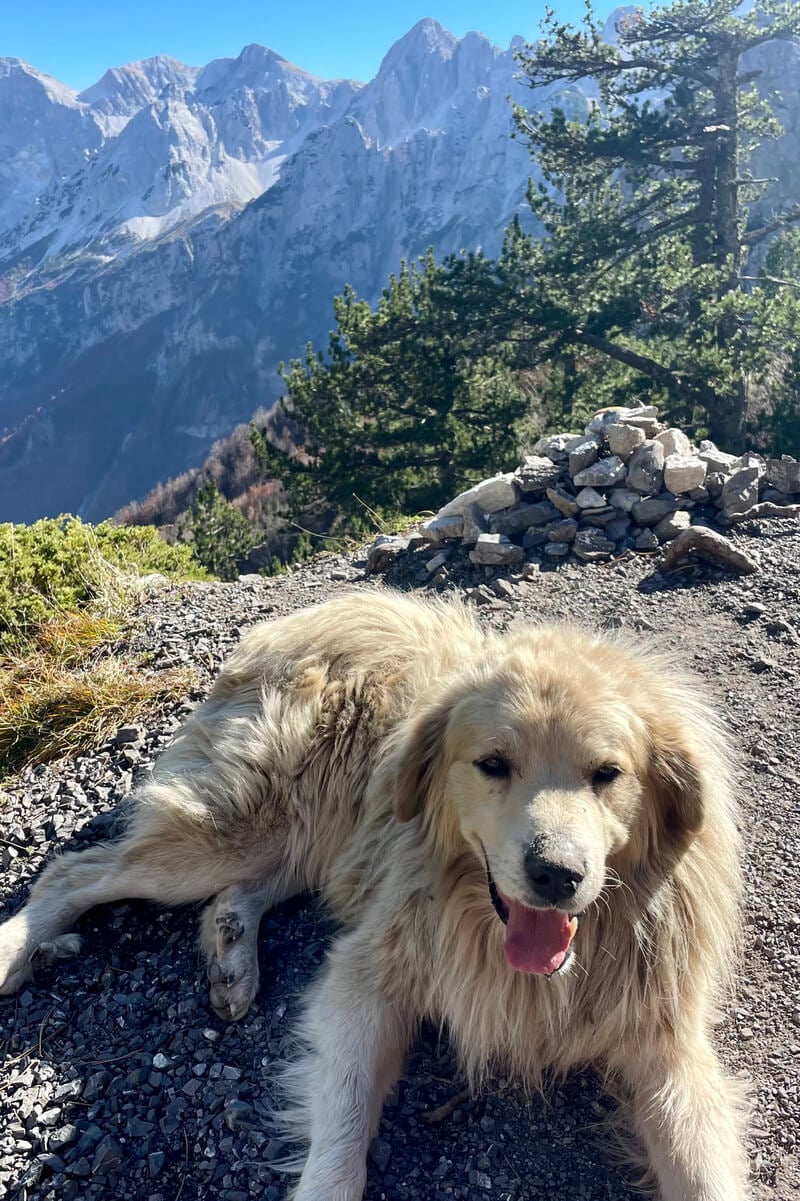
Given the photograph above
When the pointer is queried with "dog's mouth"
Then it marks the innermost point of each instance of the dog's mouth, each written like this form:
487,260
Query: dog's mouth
539,941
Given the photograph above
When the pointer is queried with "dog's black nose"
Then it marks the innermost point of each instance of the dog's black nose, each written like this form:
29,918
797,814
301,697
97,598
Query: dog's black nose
552,880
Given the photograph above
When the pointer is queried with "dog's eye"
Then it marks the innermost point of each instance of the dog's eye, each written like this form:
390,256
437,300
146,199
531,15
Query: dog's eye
606,774
494,765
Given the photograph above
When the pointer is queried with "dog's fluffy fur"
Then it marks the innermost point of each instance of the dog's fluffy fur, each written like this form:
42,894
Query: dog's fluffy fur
388,753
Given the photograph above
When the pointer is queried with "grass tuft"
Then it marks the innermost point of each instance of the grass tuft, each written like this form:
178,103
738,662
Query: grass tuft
65,694
65,588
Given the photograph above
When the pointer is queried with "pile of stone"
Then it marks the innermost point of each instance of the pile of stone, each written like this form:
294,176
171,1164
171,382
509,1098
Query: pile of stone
628,483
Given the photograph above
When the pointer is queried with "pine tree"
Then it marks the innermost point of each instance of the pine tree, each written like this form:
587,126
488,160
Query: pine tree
414,400
642,272
220,533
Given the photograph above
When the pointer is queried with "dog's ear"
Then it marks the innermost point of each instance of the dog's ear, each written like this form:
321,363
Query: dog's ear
416,761
676,783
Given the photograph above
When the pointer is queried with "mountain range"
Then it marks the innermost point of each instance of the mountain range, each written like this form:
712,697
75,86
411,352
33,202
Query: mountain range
171,234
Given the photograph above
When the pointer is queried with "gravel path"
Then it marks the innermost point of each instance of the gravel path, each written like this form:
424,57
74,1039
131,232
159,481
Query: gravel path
119,1082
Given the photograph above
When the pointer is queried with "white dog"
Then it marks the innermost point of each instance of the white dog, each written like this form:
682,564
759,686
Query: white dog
531,837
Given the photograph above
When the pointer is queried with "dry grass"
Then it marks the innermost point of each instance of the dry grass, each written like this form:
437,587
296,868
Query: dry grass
66,692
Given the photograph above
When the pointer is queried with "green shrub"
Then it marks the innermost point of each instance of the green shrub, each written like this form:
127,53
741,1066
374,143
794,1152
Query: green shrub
62,565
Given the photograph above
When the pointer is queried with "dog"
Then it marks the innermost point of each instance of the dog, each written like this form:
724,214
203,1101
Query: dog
529,837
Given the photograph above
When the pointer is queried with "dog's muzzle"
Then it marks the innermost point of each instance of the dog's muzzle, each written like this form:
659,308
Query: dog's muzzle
538,940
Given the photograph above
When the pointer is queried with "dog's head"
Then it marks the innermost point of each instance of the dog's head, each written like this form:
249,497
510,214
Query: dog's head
563,760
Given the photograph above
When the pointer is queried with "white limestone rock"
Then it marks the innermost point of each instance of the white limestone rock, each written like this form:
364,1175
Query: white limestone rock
675,442
683,473
498,492
624,439
642,415
714,458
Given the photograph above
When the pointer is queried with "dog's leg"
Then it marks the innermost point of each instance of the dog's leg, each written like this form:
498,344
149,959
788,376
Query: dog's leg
686,1112
358,1038
229,941
167,856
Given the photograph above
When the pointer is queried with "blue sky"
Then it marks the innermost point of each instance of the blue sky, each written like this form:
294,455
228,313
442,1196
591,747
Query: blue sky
76,40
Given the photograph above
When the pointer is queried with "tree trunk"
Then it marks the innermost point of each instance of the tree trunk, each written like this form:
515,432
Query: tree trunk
727,419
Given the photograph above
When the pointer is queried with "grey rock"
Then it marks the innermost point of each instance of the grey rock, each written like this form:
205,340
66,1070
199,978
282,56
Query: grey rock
583,451
563,531
699,542
563,501
605,473
534,537
554,446
624,439
237,1113
557,550
535,474
591,545
624,498
107,1157
436,562
503,588
646,469
740,492
128,734
589,498
715,482
653,509
440,529
380,1152
521,518
618,529
494,550
783,474
155,1163
646,540
599,517
671,526
475,524
383,551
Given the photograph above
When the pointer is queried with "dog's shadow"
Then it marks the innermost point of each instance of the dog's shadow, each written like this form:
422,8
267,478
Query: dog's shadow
117,1075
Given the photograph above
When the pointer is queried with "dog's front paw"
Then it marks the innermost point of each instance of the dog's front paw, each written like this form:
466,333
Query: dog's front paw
17,952
322,1184
233,982
21,954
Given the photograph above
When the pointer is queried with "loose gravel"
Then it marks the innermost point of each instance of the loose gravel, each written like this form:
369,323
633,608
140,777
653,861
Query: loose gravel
118,1081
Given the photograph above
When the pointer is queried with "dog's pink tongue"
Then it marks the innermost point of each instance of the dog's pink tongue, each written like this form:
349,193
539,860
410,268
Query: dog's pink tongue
537,939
